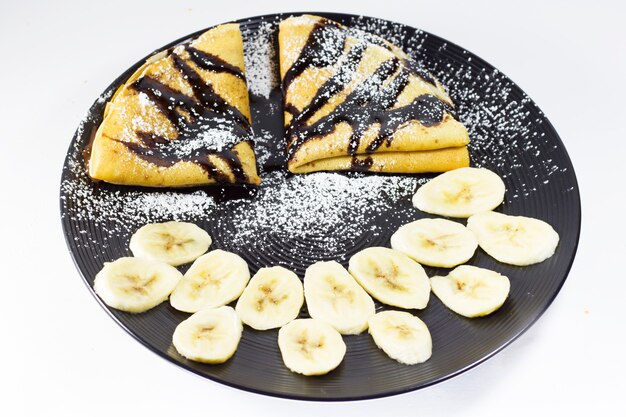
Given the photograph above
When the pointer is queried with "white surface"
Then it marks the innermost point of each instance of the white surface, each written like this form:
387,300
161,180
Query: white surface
62,354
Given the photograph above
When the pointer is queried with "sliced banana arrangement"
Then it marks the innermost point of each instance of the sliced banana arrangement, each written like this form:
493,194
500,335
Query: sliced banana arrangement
391,277
209,336
471,291
175,243
402,336
515,240
435,242
333,296
213,280
461,193
272,299
310,346
135,285
339,301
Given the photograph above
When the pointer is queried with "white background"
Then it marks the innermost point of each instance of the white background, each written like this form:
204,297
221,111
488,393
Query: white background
62,354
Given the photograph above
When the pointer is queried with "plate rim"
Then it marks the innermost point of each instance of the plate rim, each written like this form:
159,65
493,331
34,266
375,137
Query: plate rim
393,392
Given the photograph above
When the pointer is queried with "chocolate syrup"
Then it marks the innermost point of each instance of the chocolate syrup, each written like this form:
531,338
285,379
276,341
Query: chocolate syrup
361,164
213,63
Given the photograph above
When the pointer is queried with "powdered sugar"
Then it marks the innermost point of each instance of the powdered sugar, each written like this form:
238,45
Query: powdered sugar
332,209
263,146
218,137
260,58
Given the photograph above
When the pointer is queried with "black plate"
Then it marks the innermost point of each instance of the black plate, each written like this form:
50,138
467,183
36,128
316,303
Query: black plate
510,135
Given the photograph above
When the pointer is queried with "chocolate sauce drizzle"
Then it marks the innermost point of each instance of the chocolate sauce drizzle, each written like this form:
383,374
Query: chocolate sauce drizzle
362,164
369,103
193,117
213,63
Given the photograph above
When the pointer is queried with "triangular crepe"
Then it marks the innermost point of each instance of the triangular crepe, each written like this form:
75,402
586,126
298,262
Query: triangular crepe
354,101
182,119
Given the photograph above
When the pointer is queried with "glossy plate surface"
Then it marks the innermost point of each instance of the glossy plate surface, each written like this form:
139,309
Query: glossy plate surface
510,135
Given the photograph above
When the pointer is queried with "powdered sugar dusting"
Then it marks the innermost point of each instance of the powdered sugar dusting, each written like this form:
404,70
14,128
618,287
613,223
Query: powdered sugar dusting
263,146
217,138
330,208
259,58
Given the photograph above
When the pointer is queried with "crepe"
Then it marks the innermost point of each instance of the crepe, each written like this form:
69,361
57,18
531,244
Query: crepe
182,119
355,102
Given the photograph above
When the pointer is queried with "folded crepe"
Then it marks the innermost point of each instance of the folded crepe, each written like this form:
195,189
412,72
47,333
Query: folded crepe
182,119
355,102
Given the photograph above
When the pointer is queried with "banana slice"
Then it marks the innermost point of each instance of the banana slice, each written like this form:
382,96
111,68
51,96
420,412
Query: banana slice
471,291
213,280
514,240
391,277
135,284
460,193
333,296
176,243
310,346
402,336
272,299
209,336
435,242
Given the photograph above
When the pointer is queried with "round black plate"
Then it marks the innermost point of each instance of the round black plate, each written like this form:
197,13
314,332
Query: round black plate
510,135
